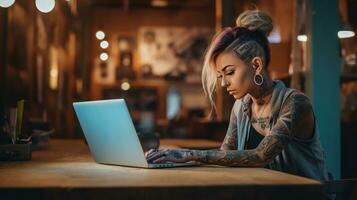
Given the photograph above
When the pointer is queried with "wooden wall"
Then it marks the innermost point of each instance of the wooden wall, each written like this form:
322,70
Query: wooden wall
37,42
117,22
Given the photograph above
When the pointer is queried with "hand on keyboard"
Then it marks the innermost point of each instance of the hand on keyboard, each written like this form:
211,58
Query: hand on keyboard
169,155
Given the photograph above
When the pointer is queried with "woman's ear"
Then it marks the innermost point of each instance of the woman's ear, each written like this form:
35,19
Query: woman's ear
257,65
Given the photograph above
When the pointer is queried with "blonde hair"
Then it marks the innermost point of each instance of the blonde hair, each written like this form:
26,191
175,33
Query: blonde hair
248,39
255,20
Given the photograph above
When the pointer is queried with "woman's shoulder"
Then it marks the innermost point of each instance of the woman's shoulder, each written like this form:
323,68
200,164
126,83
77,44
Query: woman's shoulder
297,98
297,109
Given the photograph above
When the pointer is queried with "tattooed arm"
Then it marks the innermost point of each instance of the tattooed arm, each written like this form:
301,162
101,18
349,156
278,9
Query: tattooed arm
259,157
296,119
230,140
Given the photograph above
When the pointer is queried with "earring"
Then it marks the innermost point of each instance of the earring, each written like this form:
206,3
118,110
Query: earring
258,79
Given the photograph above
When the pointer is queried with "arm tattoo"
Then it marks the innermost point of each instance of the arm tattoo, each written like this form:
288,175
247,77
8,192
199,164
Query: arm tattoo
231,158
296,115
259,157
269,147
230,141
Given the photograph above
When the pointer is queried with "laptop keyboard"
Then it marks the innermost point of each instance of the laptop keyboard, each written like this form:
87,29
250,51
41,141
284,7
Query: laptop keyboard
152,162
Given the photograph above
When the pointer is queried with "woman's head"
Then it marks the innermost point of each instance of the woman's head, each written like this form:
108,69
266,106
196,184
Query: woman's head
237,56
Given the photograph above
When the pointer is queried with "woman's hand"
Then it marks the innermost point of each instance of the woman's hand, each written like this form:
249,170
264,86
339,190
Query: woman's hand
169,155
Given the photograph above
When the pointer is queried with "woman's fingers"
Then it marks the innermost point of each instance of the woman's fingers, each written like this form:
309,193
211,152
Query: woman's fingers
156,154
150,152
152,156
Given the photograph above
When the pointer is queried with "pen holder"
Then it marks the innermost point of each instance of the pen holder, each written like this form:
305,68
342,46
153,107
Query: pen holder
16,152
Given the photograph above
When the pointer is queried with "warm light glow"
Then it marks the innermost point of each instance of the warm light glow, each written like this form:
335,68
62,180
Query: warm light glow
123,45
100,35
79,86
126,61
103,56
6,3
104,44
45,6
159,3
125,86
345,34
54,69
53,78
302,38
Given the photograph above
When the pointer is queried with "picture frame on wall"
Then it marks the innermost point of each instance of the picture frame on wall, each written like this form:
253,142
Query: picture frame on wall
126,42
172,53
125,69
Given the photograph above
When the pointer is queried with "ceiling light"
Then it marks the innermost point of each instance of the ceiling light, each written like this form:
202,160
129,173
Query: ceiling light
6,3
100,35
45,6
104,44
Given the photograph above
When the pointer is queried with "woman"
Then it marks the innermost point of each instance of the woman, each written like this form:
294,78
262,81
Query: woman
270,125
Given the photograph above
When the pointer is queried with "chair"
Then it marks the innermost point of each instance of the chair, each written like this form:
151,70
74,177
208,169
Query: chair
344,189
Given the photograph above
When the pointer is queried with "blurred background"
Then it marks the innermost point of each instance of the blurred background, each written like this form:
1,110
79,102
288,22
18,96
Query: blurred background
150,52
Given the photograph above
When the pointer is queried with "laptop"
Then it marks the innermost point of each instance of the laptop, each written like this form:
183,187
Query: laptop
111,135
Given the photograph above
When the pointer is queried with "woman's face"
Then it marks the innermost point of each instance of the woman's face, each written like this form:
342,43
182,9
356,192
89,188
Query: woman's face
234,74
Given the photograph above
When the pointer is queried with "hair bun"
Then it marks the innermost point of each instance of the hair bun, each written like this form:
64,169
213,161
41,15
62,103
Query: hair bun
255,20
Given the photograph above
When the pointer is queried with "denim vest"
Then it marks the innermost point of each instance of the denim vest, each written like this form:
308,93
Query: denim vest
300,157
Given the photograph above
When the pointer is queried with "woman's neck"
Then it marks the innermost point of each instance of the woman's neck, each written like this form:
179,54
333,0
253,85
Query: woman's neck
262,94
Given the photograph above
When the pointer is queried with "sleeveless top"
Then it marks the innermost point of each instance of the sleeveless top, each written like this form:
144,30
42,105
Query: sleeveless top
303,157
254,139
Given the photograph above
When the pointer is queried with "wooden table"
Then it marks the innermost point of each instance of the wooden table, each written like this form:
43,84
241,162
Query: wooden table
66,170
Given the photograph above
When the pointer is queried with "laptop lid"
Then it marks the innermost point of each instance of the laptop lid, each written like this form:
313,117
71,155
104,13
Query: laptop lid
110,132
